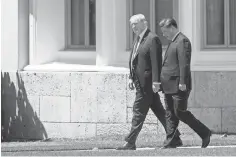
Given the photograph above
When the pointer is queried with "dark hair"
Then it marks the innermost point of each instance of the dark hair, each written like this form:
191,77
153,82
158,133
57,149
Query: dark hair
168,22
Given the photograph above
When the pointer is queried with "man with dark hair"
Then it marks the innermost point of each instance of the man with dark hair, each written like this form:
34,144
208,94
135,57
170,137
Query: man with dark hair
176,84
145,68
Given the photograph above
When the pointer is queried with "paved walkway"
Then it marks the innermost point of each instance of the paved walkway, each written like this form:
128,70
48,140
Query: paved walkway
143,142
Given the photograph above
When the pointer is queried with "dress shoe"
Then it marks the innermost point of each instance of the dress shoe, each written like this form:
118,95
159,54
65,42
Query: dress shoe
179,143
206,140
127,146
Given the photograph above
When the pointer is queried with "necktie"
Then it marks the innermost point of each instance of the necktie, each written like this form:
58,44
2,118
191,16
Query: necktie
135,48
134,51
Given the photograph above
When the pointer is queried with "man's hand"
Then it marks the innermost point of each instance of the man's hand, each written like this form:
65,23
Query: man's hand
156,86
182,87
131,84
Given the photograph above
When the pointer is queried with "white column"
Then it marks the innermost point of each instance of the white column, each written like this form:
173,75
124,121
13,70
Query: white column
111,31
186,17
14,34
23,38
9,35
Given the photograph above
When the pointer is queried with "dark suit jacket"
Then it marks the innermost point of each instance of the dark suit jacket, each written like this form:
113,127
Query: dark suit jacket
148,61
176,65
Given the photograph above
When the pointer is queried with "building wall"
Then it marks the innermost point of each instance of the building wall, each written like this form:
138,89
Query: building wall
48,37
44,105
38,105
45,39
214,94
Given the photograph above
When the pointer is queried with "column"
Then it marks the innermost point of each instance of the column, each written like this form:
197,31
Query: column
186,18
111,31
14,34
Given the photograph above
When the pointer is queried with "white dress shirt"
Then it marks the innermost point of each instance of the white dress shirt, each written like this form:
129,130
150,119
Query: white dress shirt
138,43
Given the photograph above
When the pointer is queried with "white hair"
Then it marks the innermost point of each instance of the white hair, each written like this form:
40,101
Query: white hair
137,18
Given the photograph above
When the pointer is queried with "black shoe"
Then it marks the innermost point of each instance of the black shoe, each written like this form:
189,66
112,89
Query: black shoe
179,143
206,140
127,146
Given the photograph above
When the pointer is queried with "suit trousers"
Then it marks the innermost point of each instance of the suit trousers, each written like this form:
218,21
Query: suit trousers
176,109
144,101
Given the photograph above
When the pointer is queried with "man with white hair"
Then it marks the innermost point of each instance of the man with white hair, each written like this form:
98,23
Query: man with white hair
145,67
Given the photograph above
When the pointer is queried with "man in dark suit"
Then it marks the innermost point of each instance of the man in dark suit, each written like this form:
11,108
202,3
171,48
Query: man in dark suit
145,67
176,84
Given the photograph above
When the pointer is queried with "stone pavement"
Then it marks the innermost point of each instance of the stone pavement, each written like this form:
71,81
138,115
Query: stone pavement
143,141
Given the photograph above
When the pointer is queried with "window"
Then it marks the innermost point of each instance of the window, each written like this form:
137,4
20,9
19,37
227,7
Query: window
154,11
219,23
81,24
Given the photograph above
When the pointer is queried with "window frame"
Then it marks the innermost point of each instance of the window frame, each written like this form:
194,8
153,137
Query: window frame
68,44
227,45
152,23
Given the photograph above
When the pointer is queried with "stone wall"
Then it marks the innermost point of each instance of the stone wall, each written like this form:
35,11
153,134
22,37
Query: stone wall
89,104
214,100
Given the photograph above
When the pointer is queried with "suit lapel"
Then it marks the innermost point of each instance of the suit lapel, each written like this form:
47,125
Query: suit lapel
165,56
141,43
167,50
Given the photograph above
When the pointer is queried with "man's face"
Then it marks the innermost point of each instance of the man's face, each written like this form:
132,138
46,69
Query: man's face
167,32
137,27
